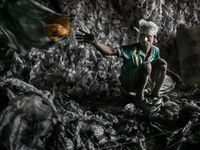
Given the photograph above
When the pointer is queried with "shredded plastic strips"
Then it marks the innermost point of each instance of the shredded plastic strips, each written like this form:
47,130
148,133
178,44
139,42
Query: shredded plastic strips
39,89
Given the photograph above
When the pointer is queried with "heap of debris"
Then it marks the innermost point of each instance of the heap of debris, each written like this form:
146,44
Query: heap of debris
40,91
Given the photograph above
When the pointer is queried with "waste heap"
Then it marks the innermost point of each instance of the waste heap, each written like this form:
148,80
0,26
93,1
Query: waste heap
67,97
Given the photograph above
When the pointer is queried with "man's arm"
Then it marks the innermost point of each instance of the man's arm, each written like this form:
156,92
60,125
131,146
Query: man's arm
105,49
90,38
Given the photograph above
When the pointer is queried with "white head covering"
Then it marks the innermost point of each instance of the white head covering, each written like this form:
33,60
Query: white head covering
147,27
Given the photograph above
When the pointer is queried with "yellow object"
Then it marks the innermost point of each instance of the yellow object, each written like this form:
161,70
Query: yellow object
57,26
181,94
196,84
67,95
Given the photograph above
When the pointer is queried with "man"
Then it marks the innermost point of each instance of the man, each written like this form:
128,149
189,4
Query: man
140,61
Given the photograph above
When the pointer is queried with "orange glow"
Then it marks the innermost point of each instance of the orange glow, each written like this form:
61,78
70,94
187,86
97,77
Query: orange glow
57,26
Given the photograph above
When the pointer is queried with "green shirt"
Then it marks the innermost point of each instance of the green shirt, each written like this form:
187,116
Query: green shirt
128,55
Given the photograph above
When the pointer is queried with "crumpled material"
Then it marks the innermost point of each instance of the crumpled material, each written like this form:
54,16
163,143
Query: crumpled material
54,121
56,77
167,85
28,119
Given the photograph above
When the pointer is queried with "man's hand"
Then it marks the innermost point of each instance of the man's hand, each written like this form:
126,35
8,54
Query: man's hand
87,38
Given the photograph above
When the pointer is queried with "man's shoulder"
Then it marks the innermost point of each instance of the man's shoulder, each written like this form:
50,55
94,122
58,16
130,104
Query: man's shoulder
135,44
155,48
129,47
127,50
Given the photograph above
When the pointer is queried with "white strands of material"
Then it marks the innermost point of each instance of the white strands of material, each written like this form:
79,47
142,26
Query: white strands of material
147,27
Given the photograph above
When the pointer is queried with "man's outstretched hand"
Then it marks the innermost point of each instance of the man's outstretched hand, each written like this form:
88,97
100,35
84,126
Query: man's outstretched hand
87,38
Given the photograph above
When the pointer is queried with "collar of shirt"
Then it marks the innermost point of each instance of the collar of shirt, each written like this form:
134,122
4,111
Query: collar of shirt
140,52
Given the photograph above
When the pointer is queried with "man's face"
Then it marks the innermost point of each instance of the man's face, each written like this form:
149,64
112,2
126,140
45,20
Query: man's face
146,40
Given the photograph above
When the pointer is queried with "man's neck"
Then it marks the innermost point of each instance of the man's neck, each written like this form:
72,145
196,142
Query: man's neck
146,51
